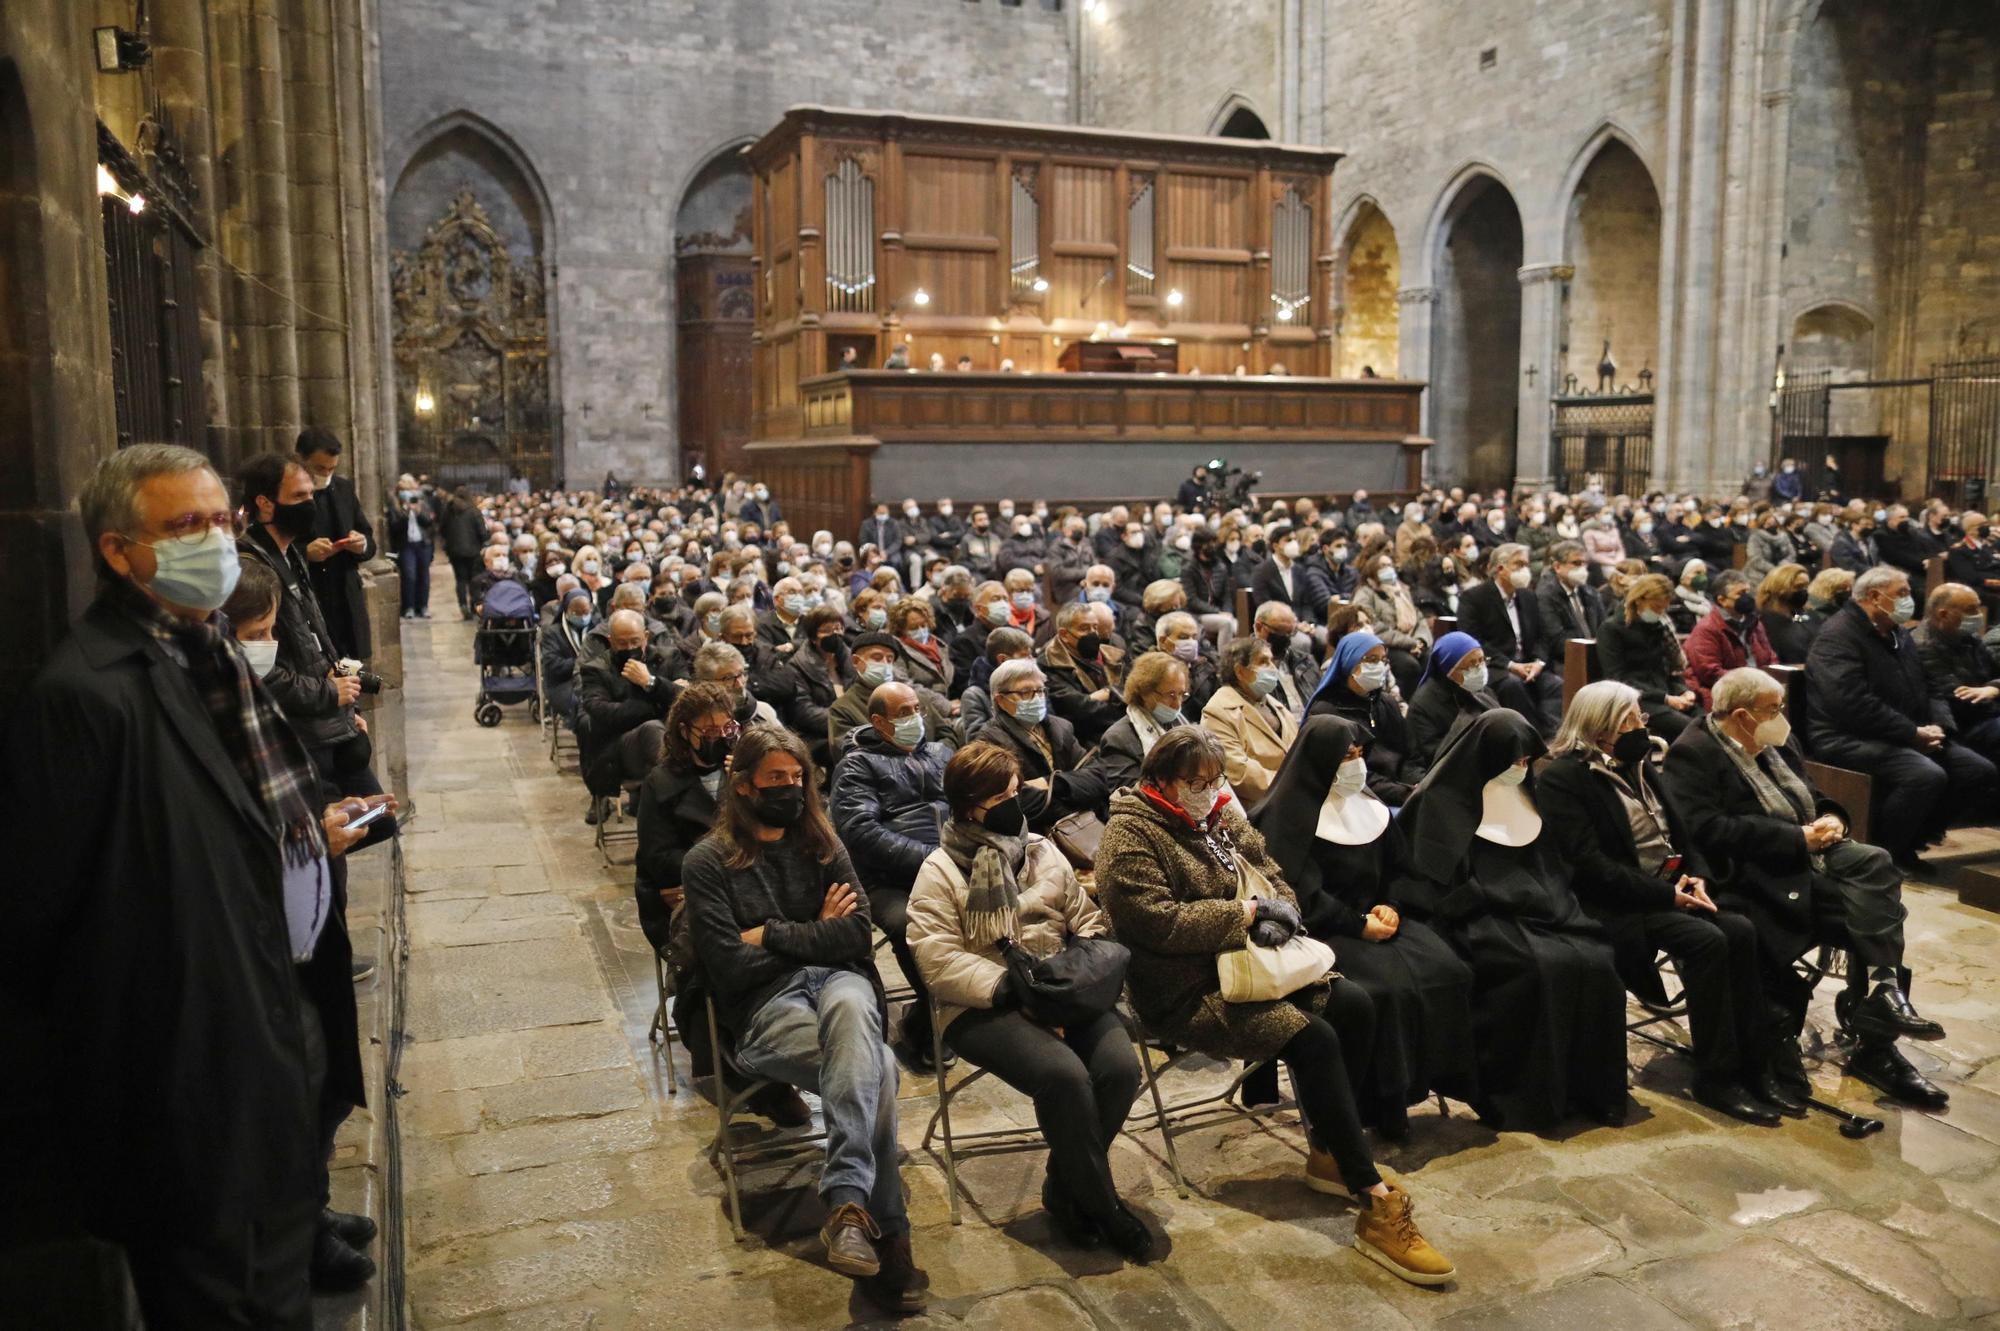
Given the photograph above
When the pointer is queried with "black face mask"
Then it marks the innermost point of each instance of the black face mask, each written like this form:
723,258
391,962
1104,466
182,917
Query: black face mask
710,752
746,708
1006,819
294,520
691,593
1744,605
663,606
1088,646
1631,746
1799,597
828,643
619,659
779,806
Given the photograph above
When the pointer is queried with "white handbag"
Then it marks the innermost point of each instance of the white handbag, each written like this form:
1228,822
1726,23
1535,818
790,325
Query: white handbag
1253,974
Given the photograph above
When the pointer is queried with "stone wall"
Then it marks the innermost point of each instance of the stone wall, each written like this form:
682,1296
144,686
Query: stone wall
272,106
616,107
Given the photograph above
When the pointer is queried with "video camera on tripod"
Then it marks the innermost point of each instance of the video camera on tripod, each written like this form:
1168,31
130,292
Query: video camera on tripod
1229,487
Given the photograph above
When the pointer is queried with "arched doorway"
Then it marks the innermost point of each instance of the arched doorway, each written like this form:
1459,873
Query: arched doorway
471,311
1612,240
1477,348
1370,272
1243,123
714,284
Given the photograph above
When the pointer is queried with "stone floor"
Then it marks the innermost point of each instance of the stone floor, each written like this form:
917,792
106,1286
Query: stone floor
555,1175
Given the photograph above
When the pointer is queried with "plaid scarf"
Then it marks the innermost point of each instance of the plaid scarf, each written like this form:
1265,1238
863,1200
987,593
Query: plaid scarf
991,864
268,755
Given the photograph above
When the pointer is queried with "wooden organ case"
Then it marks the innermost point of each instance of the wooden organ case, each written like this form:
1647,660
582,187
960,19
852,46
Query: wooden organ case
1101,286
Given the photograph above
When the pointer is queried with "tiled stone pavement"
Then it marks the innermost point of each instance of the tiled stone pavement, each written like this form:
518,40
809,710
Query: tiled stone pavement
550,1180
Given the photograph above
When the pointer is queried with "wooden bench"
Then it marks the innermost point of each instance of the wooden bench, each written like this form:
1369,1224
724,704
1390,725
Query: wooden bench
1246,617
1579,667
1934,578
1443,624
1853,791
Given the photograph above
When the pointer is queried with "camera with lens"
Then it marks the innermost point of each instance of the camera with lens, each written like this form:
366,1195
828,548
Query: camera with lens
370,681
1230,487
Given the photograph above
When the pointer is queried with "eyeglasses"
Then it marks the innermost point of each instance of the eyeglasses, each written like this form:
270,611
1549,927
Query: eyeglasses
1202,789
192,528
1024,693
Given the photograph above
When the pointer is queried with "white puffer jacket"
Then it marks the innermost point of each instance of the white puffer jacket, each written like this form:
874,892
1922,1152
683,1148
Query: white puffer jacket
1052,907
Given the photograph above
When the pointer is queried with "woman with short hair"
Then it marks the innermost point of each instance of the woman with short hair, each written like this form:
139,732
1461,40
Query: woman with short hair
1156,691
1255,733
1398,622
1186,880
990,881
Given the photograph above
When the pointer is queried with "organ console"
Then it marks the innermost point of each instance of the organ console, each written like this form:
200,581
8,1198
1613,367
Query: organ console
1158,298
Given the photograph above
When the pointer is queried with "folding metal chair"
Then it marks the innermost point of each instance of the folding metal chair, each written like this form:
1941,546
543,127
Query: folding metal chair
1186,1115
902,991
662,1032
627,830
990,1141
724,1153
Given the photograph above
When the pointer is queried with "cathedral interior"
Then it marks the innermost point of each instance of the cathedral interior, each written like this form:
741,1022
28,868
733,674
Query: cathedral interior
515,246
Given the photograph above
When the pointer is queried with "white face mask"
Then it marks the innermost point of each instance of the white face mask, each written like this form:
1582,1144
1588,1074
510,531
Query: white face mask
1372,674
1352,776
263,655
322,482
1290,549
1773,733
1577,575
1474,679
1198,809
1519,577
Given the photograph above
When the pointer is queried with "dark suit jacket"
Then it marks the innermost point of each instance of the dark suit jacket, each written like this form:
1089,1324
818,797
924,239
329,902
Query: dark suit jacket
1267,584
336,580
1482,614
1757,864
1559,622
1868,686
1586,816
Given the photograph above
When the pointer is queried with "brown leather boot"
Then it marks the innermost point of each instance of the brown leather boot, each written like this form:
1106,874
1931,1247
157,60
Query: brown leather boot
1386,1233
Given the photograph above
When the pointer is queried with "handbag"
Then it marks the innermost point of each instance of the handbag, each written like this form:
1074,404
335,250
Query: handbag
1070,987
1076,836
1254,974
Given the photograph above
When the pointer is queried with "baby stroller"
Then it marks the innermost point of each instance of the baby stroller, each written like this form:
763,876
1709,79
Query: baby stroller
504,649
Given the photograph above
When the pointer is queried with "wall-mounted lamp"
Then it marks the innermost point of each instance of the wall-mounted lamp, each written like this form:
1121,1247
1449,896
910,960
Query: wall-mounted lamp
1175,299
921,298
424,402
108,184
1041,284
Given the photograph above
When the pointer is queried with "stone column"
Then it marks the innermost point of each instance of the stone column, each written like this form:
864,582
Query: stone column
1690,270
1542,287
182,77
1415,315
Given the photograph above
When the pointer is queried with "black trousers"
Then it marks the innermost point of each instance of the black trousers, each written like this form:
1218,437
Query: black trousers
1539,701
464,568
1917,794
1718,962
1328,1059
890,909
1083,1082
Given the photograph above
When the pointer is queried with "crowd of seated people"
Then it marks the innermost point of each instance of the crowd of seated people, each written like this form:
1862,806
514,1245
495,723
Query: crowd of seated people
1208,733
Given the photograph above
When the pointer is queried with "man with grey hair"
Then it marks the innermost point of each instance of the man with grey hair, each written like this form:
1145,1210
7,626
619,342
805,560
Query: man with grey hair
1780,852
1508,625
1960,669
1873,711
719,663
887,803
169,862
1042,743
1083,671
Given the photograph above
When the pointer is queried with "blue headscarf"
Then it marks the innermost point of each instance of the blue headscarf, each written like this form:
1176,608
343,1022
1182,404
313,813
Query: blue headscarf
1347,654
1446,653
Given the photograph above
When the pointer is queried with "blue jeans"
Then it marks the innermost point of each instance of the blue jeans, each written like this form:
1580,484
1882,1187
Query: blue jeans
823,1033
414,563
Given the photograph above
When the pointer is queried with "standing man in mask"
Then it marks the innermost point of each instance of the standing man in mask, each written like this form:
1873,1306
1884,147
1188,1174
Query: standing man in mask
413,524
760,508
168,878
342,541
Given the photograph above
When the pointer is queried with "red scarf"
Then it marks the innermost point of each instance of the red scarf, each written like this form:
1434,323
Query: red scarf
1159,800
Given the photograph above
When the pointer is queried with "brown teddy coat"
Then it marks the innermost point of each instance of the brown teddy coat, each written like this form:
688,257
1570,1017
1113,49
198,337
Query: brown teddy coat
1174,905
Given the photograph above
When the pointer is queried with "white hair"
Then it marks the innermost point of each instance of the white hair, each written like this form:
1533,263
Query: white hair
1741,688
1009,673
1877,578
1593,715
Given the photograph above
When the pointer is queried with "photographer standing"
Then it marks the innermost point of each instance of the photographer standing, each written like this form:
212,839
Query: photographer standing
316,697
412,537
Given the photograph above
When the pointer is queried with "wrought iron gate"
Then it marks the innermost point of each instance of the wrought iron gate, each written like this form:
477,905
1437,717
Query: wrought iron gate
1609,435
1965,430
150,257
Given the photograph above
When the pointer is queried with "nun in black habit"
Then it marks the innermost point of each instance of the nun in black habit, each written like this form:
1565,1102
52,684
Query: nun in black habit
1549,1019
1339,848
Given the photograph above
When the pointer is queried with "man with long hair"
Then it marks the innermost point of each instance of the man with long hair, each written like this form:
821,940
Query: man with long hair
781,933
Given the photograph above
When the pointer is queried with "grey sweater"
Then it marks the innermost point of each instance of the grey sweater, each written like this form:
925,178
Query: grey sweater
782,891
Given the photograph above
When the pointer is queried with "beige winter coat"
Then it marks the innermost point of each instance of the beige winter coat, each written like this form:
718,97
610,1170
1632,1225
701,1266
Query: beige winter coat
1052,907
